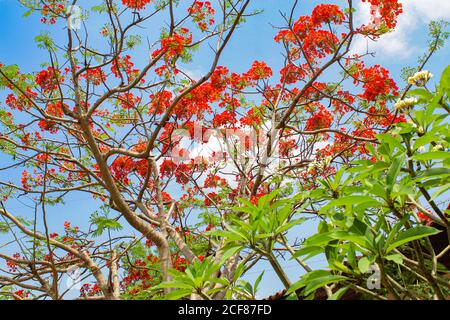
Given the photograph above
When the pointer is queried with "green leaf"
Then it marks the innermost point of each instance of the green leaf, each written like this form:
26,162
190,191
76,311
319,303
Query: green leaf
178,294
349,200
433,172
258,280
440,191
319,239
411,235
421,93
229,253
364,264
397,258
315,280
424,140
393,172
310,251
363,241
174,284
4,227
444,84
433,155
391,140
339,293
28,13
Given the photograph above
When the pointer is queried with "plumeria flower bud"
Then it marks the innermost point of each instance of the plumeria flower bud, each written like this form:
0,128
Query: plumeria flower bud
438,147
412,123
420,78
405,105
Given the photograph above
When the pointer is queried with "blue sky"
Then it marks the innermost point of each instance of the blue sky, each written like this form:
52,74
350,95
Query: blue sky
253,41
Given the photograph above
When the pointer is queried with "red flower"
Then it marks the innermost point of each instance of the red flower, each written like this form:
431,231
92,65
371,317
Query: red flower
327,13
124,64
424,218
202,13
258,71
286,147
122,167
388,10
20,294
136,4
160,102
250,119
291,74
224,118
319,120
129,100
212,198
49,79
377,82
54,110
95,76
173,46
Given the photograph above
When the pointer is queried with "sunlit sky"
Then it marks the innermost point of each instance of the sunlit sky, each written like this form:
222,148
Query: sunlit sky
253,41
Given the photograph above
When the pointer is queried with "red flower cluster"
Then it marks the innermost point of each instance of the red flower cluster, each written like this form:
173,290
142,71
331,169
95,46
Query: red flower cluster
136,4
95,76
291,74
124,64
54,110
179,263
376,82
202,13
122,166
227,117
342,102
319,120
43,157
213,181
12,267
251,119
173,46
181,171
198,101
49,79
51,11
316,43
89,290
212,198
382,117
24,180
327,13
138,275
20,294
286,146
160,102
258,71
388,10
129,100
22,102
424,218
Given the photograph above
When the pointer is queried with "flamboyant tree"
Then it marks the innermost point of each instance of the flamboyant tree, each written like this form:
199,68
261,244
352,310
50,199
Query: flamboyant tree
177,220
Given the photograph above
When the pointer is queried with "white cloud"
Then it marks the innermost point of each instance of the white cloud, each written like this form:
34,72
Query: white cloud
400,43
